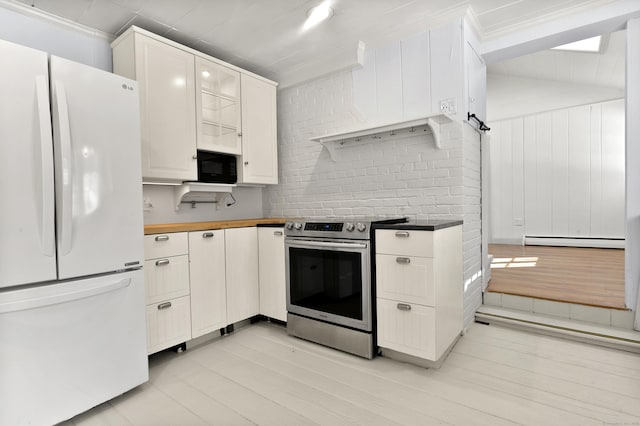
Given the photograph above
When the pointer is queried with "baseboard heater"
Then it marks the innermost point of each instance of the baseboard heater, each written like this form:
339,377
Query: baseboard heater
574,242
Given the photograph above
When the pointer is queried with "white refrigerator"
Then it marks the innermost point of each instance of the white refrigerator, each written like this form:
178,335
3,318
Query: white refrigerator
72,314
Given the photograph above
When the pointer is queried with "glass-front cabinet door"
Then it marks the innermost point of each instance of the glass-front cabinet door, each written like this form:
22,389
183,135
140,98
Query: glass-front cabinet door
218,108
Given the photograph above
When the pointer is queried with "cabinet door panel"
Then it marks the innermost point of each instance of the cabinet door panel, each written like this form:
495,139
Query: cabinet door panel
241,249
273,291
405,278
168,324
166,278
410,331
207,273
218,107
259,139
168,110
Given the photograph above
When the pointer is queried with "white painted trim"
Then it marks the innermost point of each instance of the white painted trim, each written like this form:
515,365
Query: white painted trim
576,330
574,242
49,17
632,171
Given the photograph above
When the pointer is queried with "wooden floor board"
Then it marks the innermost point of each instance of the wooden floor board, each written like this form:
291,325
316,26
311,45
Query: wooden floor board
588,276
493,376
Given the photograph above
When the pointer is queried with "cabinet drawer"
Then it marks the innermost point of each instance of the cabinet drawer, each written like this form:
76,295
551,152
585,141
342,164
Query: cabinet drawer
164,245
168,324
407,328
166,278
404,242
405,278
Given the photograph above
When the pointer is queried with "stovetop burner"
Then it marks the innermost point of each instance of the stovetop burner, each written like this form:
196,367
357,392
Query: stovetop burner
358,228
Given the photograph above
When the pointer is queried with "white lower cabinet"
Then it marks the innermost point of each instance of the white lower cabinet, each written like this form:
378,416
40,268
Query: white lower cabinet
241,261
208,281
419,289
200,282
166,278
273,286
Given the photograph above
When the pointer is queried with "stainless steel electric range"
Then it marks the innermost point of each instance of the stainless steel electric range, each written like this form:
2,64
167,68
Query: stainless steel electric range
329,289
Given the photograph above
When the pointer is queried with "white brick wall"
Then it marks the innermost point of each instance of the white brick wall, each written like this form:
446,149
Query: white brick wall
396,176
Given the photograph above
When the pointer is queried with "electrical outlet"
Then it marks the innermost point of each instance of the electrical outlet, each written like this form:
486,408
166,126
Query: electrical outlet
448,106
146,204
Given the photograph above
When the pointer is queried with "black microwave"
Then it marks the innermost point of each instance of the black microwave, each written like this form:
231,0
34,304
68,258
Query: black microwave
214,167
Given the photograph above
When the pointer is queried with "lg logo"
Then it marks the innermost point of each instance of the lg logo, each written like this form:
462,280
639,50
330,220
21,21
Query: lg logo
125,86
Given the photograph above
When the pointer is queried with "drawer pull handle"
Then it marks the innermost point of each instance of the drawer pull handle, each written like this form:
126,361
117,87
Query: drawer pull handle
403,260
207,235
164,305
404,307
162,262
402,234
277,233
162,238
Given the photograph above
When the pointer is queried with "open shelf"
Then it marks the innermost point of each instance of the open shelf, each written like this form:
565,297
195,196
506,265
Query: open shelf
429,124
198,192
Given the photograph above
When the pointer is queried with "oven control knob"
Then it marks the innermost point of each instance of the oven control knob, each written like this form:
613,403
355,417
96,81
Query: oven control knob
297,226
349,226
361,227
289,225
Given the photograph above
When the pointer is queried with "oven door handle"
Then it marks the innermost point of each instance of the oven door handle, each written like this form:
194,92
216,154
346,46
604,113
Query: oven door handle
308,243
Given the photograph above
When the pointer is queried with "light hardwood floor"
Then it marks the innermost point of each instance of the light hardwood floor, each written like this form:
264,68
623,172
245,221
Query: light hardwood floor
586,276
494,376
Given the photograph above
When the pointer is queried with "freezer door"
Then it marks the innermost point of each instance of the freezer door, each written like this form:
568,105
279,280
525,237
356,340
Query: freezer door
67,347
96,129
27,235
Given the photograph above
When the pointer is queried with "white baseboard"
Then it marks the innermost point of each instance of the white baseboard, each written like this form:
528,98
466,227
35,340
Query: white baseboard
575,242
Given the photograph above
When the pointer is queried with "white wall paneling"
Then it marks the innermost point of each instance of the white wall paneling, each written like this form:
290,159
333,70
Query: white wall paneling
507,177
389,82
566,167
416,75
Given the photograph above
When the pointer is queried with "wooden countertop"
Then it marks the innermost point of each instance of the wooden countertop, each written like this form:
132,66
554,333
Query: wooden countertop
165,228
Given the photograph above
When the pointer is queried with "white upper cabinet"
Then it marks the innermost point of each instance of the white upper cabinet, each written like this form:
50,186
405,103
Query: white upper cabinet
167,105
259,136
191,101
218,107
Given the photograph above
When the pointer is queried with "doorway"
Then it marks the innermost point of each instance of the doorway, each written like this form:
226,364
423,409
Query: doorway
557,175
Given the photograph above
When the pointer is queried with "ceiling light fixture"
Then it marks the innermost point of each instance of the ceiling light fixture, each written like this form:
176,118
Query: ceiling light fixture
317,14
592,45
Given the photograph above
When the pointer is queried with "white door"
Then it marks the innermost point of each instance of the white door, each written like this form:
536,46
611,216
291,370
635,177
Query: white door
70,346
241,267
167,95
27,244
272,274
96,131
259,134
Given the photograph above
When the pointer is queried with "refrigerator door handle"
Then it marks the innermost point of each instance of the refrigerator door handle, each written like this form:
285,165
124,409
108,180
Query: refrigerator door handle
64,127
46,157
33,302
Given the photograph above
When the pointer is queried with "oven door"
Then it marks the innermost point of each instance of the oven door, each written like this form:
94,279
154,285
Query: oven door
330,280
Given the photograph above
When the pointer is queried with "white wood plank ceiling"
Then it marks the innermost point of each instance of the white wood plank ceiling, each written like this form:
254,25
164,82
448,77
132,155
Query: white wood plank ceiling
265,36
605,69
